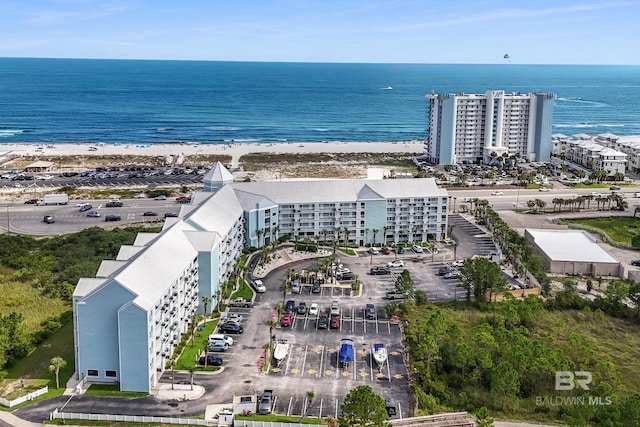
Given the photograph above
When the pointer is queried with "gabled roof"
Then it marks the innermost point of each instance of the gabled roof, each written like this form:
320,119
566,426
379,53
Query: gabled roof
251,201
218,213
218,174
107,267
366,193
127,251
86,285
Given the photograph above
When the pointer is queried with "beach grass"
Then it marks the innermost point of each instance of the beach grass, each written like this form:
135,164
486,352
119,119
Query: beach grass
620,229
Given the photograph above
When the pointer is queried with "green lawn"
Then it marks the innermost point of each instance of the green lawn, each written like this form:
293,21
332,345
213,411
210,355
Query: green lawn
347,251
592,185
33,370
111,390
620,229
190,353
245,292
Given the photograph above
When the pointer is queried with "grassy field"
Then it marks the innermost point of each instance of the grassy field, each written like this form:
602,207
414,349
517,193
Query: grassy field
620,229
27,300
244,291
191,351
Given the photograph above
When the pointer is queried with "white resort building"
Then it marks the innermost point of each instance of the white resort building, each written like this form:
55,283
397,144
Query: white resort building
468,128
129,319
597,152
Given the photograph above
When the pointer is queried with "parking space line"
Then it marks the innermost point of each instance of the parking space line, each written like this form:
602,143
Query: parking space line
319,374
304,360
371,361
286,368
321,401
289,408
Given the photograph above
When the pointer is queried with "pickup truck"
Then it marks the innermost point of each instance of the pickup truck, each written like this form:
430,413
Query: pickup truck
266,402
240,302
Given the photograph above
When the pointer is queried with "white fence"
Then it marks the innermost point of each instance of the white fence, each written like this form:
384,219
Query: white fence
22,399
129,418
249,423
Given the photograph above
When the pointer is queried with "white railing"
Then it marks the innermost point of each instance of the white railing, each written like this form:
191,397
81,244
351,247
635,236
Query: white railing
22,399
130,418
250,423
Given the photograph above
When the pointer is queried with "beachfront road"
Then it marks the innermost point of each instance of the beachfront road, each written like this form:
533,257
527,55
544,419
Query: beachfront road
28,219
120,181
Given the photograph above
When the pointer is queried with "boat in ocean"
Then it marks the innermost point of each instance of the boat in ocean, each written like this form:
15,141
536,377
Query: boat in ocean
387,88
346,352
379,353
280,352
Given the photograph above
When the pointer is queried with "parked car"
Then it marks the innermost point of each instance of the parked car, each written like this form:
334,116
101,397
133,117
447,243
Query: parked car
210,360
379,270
302,308
370,311
93,214
335,322
295,287
345,276
231,328
335,308
150,213
289,306
497,193
614,187
444,270
635,262
315,288
85,207
374,251
453,274
386,250
417,249
323,321
313,309
395,263
342,270
286,319
114,204
112,218
259,286
390,406
399,250
232,317
458,263
221,337
218,346
49,219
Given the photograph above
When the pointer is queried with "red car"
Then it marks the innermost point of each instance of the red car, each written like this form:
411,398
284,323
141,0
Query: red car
335,322
386,250
31,202
286,319
183,199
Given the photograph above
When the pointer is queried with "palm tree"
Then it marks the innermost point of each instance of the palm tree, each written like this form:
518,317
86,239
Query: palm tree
259,233
346,236
206,301
170,365
192,371
324,233
276,230
384,233
57,363
310,396
285,288
375,232
366,236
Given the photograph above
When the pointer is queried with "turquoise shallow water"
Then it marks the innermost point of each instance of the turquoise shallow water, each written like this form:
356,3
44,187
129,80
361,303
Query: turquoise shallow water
125,101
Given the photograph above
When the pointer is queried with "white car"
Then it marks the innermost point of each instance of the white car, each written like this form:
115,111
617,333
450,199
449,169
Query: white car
374,251
342,270
395,264
417,249
458,263
232,317
313,309
596,194
497,193
45,177
259,286
543,189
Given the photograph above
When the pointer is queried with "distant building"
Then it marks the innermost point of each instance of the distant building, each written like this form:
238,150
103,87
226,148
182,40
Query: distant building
597,152
39,166
129,319
469,128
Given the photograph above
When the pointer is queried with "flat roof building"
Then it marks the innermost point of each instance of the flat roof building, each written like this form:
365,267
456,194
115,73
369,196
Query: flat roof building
474,128
572,252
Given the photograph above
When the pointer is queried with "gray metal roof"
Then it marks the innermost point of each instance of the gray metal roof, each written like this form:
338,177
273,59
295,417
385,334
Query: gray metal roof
347,190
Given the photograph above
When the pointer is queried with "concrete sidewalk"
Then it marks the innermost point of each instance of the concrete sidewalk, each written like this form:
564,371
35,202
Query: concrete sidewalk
7,418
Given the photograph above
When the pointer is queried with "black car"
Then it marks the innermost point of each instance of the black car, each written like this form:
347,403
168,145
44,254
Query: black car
345,276
170,215
289,306
400,250
380,270
231,328
444,270
114,204
635,262
49,219
211,360
370,311
323,321
315,288
302,308
112,218
390,406
150,213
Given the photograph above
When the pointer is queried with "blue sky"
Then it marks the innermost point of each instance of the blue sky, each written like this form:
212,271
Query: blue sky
394,31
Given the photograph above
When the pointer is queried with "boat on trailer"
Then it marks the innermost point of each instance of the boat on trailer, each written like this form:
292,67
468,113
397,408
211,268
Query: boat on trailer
281,351
379,353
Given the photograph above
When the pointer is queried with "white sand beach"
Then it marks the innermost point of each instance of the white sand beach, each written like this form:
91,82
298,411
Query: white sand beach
235,150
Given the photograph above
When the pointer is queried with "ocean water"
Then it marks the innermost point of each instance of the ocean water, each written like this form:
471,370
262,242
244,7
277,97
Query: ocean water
126,101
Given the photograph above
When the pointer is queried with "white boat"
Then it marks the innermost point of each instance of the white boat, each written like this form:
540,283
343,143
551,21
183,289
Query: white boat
379,353
281,351
387,88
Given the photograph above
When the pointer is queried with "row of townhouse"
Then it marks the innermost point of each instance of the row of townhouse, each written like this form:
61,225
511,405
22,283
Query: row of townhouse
129,319
594,152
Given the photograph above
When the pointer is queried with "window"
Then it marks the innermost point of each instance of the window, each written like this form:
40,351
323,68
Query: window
92,372
110,374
